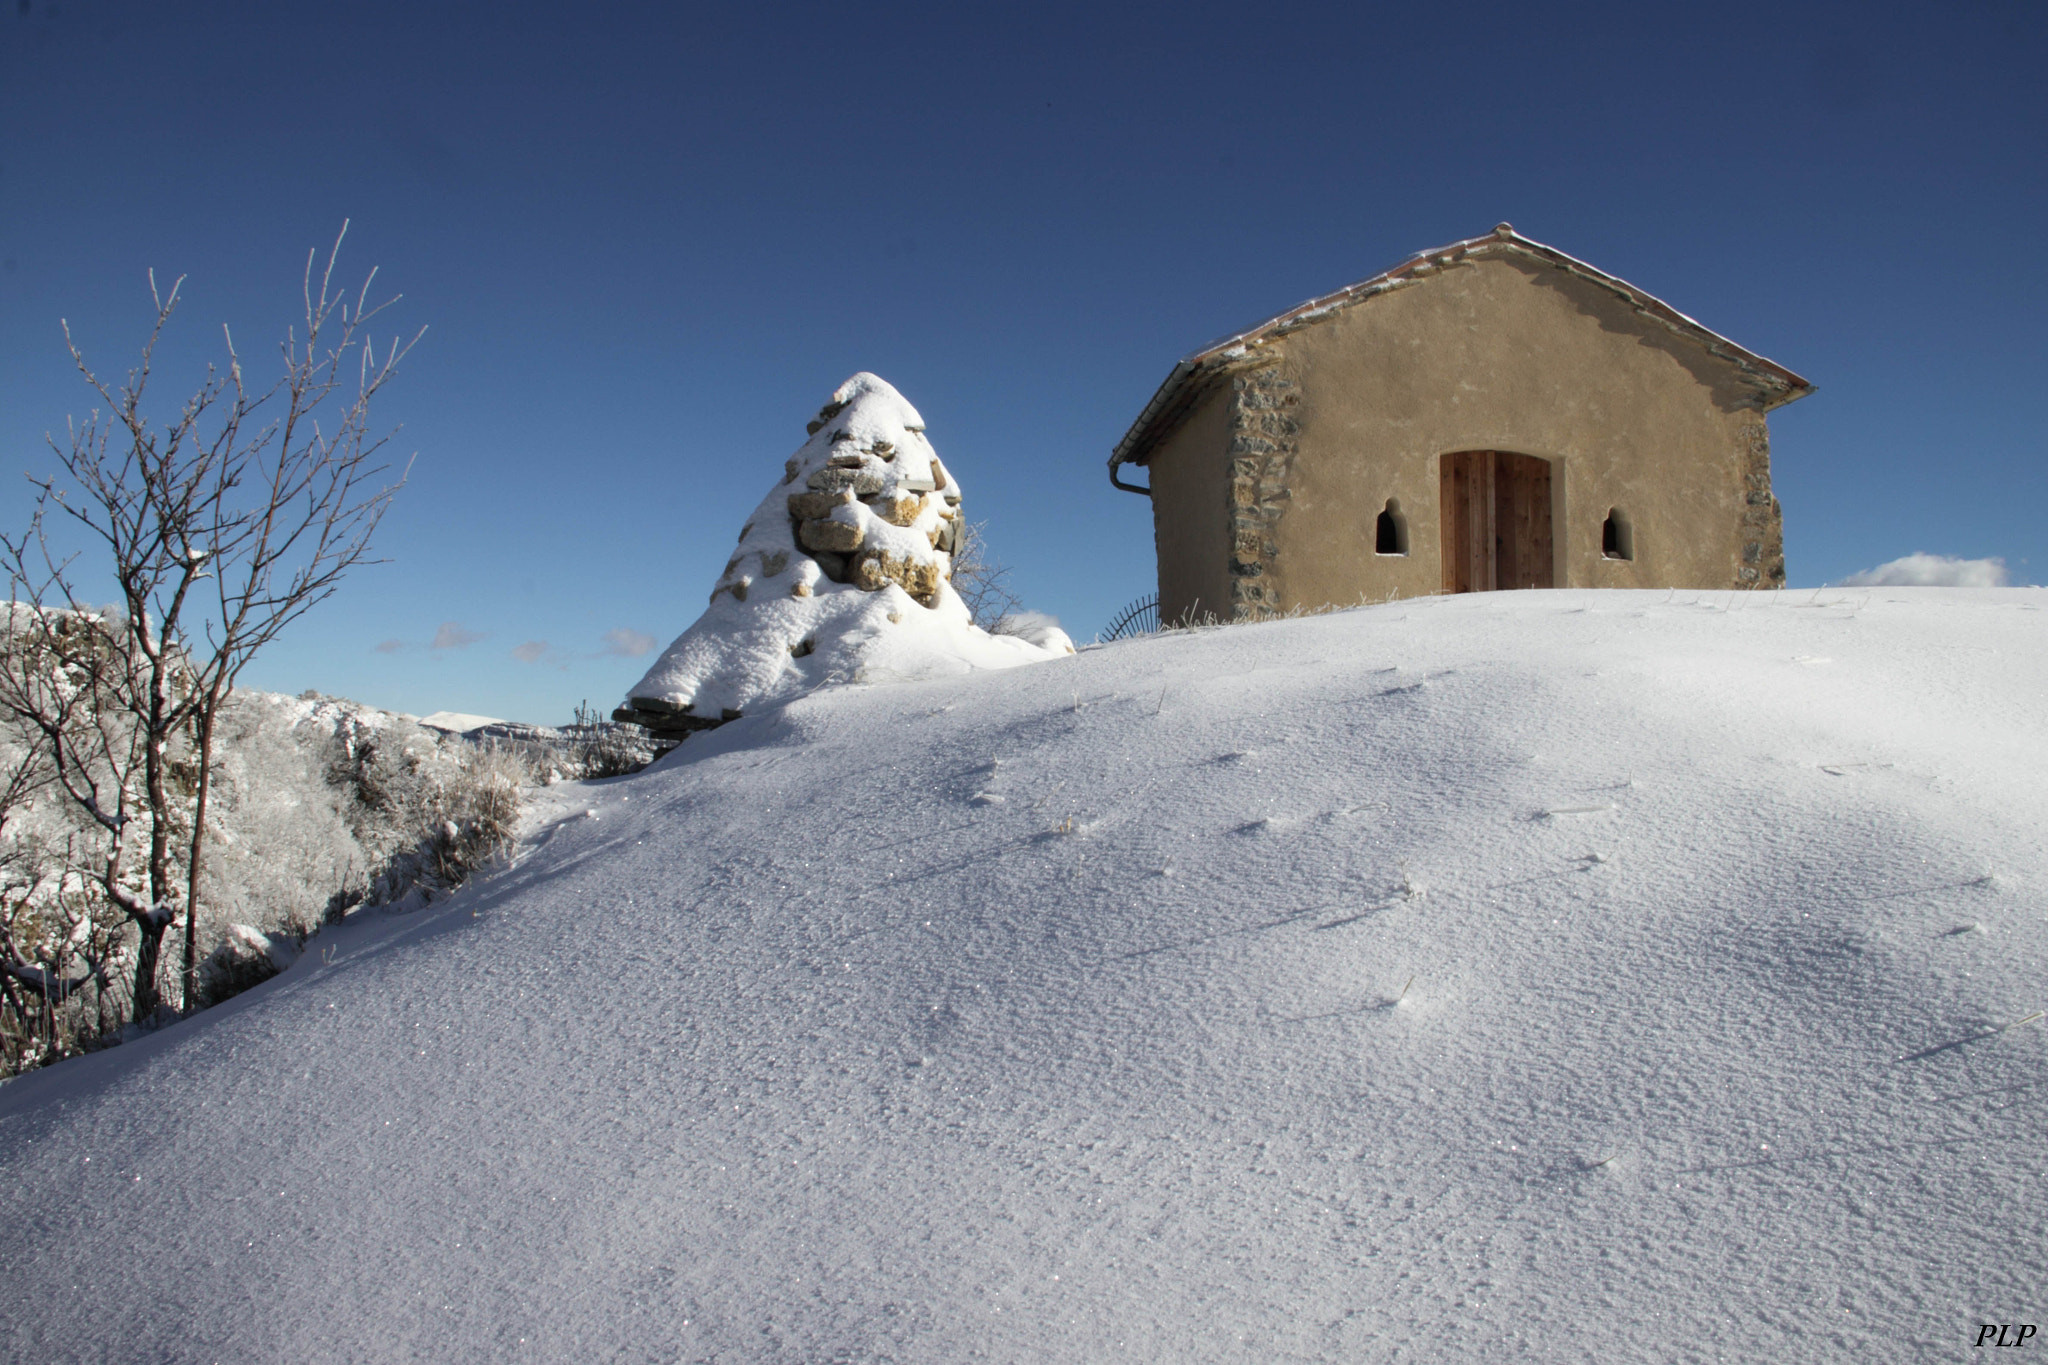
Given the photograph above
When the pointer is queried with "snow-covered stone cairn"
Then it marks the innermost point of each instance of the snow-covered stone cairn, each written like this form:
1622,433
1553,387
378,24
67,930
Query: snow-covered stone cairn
842,574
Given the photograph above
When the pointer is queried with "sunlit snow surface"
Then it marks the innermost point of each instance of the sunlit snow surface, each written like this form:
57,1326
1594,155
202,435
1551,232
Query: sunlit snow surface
1559,976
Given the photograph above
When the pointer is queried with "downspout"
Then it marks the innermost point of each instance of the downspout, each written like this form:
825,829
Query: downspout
1116,460
1131,442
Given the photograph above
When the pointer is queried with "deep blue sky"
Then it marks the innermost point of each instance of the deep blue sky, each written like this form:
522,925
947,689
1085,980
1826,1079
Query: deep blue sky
649,240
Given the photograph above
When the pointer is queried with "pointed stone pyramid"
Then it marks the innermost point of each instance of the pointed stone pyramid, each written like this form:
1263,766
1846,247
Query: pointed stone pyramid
842,574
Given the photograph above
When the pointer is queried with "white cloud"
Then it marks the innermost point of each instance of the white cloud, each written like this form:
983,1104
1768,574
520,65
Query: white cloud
532,652
1931,571
390,646
627,643
452,635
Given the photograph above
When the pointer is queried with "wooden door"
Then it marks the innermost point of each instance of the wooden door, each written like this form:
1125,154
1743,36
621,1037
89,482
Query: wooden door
1496,521
1521,519
1468,504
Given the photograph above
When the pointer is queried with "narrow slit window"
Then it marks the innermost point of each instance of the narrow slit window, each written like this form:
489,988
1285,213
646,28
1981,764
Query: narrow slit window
1390,537
1617,538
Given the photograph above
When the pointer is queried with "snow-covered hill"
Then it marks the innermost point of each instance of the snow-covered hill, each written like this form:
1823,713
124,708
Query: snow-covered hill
1556,976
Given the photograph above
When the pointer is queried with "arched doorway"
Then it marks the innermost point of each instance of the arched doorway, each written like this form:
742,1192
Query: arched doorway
1496,521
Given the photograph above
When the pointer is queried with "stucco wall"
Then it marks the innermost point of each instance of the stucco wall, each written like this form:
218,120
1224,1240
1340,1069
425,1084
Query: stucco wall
1492,354
1190,514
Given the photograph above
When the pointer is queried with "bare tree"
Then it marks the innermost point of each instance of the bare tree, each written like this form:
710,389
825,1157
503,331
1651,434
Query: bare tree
219,529
983,583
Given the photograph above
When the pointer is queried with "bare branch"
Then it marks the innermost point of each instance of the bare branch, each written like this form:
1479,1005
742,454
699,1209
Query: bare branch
983,584
46,981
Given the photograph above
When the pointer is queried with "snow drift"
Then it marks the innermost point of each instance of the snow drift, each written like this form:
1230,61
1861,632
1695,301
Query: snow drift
842,574
1551,976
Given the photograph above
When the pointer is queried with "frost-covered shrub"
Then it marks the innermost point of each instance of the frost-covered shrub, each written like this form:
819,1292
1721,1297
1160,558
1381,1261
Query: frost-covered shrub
587,749
609,749
591,748
425,809
464,816
280,843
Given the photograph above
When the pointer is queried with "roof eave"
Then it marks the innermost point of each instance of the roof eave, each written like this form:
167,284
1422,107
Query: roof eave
1161,396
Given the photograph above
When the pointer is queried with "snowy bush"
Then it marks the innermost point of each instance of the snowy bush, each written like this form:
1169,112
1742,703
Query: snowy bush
282,843
592,748
461,817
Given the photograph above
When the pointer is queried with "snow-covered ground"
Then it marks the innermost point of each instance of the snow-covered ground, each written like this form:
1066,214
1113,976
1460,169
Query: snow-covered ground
1560,976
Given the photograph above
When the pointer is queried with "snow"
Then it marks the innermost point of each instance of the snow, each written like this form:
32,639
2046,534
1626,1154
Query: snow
1553,976
779,625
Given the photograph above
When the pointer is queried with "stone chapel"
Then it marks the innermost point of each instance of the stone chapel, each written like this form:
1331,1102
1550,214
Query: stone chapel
1492,414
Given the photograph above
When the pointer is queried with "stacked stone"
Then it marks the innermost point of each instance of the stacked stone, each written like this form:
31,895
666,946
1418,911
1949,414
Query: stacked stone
868,473
865,502
1264,435
1763,521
